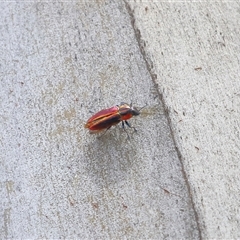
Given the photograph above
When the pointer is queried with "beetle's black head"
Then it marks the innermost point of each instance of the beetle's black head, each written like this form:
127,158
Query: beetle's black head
135,112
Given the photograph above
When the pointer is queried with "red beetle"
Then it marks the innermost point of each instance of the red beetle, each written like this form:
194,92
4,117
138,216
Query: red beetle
109,117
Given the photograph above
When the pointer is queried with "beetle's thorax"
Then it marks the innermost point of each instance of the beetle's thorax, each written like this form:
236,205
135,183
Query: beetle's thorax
127,111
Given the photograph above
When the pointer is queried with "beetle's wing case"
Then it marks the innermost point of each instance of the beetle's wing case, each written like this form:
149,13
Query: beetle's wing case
106,122
103,119
103,113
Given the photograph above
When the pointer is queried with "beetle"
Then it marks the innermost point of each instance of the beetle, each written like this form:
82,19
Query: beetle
106,118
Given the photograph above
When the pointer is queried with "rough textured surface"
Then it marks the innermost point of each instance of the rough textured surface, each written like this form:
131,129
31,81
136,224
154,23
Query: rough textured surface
60,62
192,51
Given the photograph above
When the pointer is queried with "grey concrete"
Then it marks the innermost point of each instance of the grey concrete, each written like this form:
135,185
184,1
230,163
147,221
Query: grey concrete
194,51
59,63
177,177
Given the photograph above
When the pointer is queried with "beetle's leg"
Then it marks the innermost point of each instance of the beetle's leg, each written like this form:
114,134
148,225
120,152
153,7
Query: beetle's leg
123,126
128,124
104,132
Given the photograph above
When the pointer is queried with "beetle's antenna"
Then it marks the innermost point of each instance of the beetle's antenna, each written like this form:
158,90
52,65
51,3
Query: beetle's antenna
142,108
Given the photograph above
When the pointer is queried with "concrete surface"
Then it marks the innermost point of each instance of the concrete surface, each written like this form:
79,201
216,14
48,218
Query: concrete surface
176,178
194,51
